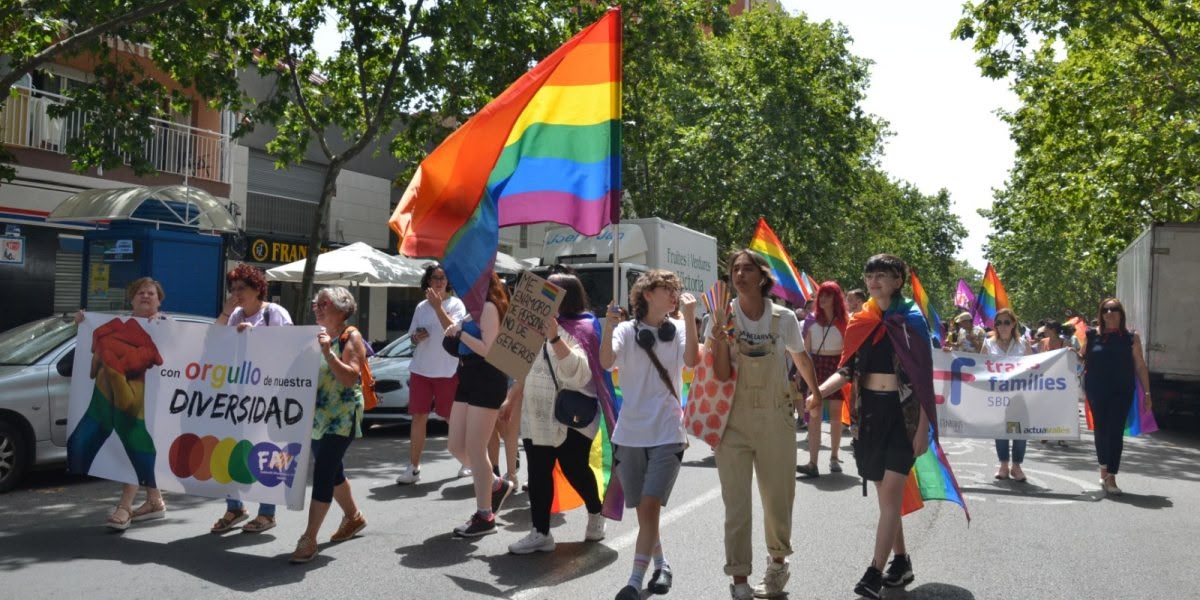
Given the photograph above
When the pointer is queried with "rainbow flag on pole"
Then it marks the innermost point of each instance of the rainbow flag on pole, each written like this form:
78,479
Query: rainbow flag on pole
922,300
992,297
787,278
808,286
548,149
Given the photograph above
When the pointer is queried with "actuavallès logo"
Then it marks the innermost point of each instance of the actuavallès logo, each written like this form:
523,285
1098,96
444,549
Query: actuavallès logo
228,460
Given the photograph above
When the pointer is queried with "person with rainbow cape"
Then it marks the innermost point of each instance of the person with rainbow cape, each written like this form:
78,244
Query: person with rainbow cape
888,355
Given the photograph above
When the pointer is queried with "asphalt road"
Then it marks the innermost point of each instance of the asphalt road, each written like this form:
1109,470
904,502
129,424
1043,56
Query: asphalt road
1054,537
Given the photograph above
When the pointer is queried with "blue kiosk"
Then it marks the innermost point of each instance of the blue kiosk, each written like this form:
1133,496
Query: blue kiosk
170,233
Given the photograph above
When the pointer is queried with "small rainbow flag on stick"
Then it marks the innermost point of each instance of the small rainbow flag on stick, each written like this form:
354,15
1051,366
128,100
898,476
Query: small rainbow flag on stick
922,300
808,286
548,149
787,278
991,298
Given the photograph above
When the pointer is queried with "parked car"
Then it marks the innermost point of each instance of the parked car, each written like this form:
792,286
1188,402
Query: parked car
390,369
36,360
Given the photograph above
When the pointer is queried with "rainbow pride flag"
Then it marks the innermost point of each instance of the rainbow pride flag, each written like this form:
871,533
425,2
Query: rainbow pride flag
548,149
787,278
931,316
931,479
992,297
808,286
1139,421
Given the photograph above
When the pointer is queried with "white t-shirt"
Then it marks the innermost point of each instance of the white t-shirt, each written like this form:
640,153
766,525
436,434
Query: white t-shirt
429,359
650,414
270,314
1017,347
825,340
759,332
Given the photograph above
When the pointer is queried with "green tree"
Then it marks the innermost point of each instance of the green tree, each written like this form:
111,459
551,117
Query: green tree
1106,136
198,44
410,70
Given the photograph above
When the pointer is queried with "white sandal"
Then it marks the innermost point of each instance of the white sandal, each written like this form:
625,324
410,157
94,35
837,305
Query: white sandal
119,525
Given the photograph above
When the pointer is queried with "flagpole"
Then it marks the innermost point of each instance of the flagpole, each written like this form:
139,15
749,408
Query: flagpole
616,257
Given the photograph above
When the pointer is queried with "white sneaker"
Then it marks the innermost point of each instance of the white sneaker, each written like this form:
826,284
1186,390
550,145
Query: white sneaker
595,528
534,542
410,475
774,580
741,591
464,471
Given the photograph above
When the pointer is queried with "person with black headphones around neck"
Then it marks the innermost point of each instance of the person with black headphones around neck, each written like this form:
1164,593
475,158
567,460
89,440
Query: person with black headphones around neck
650,352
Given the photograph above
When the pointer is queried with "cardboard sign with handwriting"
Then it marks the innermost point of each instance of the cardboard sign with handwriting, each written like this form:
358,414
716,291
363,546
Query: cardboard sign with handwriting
519,343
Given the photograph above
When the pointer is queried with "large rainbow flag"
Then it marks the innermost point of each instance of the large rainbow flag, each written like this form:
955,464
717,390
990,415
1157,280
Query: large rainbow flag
992,297
548,149
922,300
787,278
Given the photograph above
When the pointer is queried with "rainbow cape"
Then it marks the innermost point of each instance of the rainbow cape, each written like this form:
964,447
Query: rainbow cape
931,316
586,329
992,297
931,477
787,278
1139,421
548,149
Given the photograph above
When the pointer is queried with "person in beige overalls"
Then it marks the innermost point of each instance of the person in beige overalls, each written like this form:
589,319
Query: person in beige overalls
760,436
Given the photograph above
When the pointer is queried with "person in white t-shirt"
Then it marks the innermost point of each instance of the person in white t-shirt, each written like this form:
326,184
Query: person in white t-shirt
760,436
1006,343
434,372
650,353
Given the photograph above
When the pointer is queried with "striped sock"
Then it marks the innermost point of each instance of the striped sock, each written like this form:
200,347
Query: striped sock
660,560
640,562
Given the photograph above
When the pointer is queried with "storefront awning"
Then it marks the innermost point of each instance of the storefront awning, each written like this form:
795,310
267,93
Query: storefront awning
173,205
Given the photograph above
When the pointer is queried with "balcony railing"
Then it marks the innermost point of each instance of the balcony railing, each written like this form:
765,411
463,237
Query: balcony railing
25,121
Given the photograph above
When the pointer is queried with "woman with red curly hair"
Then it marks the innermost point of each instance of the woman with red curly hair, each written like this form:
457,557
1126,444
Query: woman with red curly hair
823,338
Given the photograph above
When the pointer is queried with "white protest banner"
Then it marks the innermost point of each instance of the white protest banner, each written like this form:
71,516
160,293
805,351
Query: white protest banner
1033,397
194,408
534,301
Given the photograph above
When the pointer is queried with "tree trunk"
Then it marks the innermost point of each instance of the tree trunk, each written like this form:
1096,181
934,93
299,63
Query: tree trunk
303,310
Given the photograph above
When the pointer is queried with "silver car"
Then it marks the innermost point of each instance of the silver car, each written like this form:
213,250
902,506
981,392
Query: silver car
390,369
35,387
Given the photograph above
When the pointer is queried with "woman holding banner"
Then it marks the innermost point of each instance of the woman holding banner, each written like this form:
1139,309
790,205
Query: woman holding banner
337,419
1006,343
888,355
1112,358
760,435
246,308
570,360
481,391
121,354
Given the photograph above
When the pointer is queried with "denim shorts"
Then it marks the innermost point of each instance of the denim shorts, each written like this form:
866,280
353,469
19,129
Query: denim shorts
648,471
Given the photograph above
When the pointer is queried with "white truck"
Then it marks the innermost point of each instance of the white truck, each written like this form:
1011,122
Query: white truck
1158,277
643,244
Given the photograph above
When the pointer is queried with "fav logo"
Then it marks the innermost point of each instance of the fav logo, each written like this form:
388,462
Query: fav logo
229,460
956,377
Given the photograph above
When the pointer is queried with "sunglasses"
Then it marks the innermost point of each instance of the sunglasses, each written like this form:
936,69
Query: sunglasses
1004,322
1111,309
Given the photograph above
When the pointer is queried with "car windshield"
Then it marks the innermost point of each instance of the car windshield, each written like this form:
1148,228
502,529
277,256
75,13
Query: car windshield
25,344
400,348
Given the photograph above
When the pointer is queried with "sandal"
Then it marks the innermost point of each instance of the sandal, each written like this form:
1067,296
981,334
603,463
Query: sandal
149,511
306,550
120,524
260,524
226,522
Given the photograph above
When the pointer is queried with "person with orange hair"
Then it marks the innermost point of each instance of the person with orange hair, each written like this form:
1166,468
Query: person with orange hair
823,338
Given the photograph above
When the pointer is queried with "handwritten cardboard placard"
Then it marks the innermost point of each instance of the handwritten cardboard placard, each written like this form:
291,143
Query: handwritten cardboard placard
534,301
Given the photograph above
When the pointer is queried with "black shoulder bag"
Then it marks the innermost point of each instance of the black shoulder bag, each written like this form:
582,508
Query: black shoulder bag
571,408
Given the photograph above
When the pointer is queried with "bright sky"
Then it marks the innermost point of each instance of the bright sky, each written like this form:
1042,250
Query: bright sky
940,110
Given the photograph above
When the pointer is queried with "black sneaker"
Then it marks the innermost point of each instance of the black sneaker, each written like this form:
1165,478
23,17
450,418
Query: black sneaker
629,593
476,526
500,494
808,471
871,584
660,581
899,572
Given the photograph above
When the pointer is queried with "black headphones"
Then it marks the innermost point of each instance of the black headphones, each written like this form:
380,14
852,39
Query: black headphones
645,339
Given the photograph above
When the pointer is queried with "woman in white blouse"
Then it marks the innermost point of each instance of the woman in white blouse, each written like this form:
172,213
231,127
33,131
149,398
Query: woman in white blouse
1006,342
572,351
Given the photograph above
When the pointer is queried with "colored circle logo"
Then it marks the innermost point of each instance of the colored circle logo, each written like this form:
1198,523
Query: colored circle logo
228,460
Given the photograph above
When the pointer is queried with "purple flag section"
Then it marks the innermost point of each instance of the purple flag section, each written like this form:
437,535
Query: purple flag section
964,298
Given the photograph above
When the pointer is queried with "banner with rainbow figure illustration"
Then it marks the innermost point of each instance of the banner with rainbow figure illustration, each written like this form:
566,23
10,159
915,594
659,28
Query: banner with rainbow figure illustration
194,408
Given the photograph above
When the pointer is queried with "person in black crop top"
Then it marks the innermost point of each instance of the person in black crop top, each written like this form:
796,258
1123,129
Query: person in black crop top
1112,358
